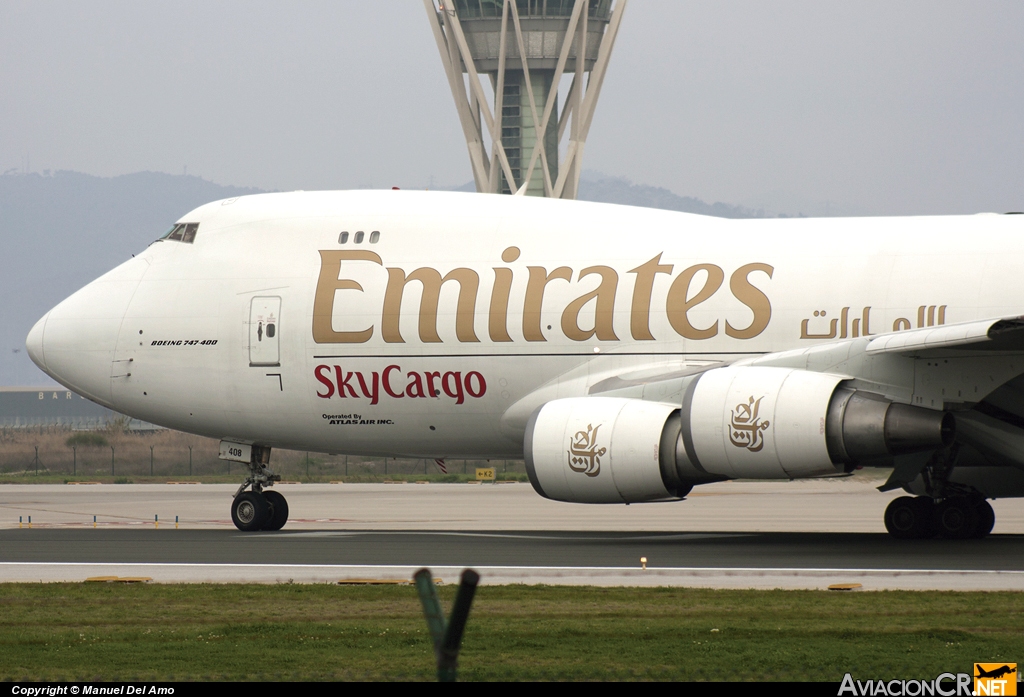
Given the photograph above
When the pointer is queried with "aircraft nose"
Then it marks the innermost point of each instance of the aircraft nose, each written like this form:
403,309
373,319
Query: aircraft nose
34,343
75,342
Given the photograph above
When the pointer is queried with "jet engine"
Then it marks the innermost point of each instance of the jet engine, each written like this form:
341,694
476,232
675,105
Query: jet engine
746,422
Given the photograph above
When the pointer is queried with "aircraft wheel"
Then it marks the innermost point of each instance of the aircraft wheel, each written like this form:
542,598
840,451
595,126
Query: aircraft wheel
986,519
278,511
909,518
249,511
956,518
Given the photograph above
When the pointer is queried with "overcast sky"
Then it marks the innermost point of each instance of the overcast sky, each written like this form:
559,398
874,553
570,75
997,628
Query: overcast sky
859,107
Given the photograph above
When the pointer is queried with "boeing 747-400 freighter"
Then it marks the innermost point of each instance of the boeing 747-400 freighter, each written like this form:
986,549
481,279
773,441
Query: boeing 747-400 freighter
627,354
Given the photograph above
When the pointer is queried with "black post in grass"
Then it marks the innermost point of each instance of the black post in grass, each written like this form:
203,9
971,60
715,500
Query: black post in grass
447,636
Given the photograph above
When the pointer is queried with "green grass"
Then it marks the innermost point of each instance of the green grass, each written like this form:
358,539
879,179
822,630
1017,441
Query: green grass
320,632
86,439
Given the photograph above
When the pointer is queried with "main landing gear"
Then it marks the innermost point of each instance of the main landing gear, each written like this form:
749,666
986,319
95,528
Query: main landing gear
258,509
955,518
948,510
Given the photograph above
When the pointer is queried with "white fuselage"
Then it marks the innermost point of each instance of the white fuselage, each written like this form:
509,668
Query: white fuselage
467,312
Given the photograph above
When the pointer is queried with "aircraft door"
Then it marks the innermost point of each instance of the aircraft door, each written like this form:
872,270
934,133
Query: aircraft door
265,331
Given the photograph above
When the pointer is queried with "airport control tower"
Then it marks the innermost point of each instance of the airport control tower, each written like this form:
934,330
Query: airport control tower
518,142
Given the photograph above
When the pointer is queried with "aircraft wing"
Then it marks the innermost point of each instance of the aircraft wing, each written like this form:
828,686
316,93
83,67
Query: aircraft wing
998,334
819,410
899,367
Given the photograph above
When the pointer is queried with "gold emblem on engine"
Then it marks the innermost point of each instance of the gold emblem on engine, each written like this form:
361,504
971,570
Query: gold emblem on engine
746,428
584,455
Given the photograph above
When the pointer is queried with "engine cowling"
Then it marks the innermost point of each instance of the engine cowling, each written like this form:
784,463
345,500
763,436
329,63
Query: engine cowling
597,450
749,422
758,423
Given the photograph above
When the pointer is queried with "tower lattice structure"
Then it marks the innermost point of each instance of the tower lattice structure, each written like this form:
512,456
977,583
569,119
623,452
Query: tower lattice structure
524,48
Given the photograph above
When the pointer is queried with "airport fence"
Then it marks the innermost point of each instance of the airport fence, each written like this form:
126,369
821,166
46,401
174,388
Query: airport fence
114,452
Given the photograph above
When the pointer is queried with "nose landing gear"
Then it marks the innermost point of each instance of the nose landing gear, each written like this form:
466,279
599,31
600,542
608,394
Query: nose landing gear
258,509
278,510
249,511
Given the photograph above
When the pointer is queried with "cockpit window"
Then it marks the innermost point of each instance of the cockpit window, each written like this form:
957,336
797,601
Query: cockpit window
174,233
182,232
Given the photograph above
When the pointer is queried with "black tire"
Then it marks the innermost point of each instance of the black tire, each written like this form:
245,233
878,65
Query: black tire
986,519
956,518
908,518
926,512
278,511
249,511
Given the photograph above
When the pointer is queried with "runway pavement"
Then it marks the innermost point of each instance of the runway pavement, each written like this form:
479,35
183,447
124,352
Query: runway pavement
733,534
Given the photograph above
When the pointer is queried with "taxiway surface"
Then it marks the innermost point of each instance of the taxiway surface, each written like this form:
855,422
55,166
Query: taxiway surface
733,534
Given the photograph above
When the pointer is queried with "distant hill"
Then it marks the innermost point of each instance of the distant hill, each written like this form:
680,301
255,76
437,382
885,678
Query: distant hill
63,230
602,188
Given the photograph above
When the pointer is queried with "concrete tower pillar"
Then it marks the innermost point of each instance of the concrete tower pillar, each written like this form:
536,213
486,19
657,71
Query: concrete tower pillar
523,48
